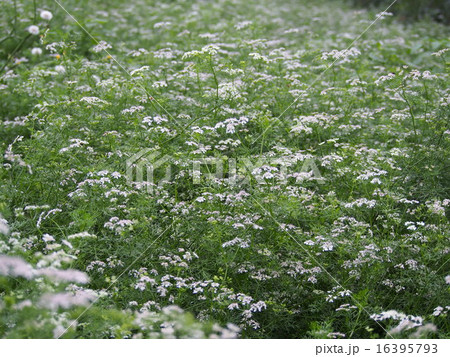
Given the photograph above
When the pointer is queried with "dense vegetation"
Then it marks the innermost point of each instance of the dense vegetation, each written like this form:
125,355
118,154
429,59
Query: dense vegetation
334,222
438,10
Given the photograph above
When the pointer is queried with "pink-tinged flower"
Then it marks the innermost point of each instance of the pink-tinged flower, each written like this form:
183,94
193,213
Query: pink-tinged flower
15,266
4,229
60,69
67,300
69,275
36,51
33,29
46,15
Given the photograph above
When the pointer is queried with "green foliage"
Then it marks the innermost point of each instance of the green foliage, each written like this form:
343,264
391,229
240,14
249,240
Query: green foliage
360,253
413,9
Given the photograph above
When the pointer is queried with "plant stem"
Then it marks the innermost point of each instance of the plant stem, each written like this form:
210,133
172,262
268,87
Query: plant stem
10,56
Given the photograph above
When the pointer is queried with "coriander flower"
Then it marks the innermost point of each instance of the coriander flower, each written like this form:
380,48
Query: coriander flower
60,69
69,275
46,15
15,267
327,246
101,46
4,229
33,29
36,51
67,300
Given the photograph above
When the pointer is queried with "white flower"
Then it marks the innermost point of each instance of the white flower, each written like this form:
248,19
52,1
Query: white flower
15,266
327,246
36,51
70,275
259,306
441,52
101,46
242,25
4,229
48,238
383,15
437,311
60,69
93,100
33,29
46,15
67,300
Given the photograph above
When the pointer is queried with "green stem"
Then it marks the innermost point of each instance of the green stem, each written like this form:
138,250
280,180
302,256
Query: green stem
10,56
35,11
413,118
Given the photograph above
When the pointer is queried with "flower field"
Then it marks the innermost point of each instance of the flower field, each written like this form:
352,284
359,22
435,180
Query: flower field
226,169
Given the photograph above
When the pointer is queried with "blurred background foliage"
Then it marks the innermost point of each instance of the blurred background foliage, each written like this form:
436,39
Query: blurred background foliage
438,10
